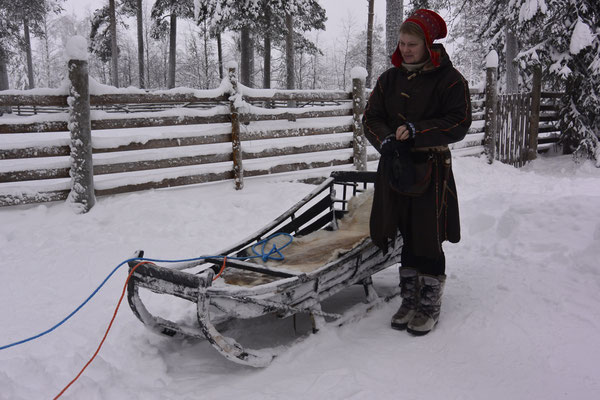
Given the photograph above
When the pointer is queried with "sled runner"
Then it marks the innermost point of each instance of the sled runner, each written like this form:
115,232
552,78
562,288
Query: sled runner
330,251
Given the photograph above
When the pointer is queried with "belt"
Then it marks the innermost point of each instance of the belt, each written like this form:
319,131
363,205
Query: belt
434,149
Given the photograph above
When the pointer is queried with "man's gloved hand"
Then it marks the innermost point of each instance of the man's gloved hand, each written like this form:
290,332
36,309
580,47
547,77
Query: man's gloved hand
388,145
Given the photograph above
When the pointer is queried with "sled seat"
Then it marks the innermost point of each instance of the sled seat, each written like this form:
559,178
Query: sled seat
314,250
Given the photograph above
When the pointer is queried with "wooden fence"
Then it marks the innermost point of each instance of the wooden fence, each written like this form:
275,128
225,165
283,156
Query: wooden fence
518,125
142,140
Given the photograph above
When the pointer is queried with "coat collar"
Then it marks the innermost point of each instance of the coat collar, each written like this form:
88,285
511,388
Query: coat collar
441,55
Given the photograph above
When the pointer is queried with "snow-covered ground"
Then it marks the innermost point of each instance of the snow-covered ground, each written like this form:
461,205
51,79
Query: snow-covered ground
520,318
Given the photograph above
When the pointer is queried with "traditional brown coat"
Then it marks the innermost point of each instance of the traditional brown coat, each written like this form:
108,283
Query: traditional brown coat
436,101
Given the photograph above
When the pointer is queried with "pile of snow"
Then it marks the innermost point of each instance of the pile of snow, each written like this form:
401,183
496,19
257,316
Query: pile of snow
520,317
581,38
359,73
76,48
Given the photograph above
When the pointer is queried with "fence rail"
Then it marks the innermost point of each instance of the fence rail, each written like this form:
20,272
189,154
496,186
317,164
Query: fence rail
160,139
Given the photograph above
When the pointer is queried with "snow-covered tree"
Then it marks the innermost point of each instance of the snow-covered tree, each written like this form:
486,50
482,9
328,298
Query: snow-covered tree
9,29
171,9
199,65
564,37
100,42
464,34
134,8
262,18
394,15
30,16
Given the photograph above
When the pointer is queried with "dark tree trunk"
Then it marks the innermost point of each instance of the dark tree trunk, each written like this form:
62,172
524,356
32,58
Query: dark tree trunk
267,63
114,73
246,58
148,79
251,63
3,73
370,43
220,55
512,73
140,38
289,51
28,53
3,79
206,61
172,50
267,52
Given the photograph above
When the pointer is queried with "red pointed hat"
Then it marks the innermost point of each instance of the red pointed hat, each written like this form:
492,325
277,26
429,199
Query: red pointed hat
432,25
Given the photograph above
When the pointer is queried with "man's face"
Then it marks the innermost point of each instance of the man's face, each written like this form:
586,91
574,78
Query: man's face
412,48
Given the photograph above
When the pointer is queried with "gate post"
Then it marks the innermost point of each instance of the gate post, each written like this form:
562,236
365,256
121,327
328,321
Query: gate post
359,76
534,120
236,144
491,105
82,194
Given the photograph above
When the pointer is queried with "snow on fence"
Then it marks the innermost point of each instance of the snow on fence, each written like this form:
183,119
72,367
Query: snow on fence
142,140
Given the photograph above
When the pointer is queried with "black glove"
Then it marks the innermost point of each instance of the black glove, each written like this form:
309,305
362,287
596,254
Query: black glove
398,165
388,145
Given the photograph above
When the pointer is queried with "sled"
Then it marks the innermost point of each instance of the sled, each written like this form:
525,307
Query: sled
252,287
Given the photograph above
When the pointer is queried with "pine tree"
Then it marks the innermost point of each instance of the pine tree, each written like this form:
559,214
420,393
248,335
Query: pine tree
30,15
133,8
9,30
464,34
266,18
100,42
562,36
172,9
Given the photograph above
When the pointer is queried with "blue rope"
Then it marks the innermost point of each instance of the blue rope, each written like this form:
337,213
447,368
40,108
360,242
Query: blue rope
264,256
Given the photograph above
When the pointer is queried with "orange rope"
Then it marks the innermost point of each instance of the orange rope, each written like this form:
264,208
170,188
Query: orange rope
222,269
107,330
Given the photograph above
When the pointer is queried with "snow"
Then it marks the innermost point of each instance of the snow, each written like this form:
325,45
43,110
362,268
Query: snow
245,107
519,317
61,90
581,38
491,60
231,65
254,92
76,48
359,73
97,88
530,8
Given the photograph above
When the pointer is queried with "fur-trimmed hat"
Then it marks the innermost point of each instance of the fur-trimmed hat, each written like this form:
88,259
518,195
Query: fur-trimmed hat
433,27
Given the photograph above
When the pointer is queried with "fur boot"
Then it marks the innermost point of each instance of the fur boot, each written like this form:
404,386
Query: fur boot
409,291
430,302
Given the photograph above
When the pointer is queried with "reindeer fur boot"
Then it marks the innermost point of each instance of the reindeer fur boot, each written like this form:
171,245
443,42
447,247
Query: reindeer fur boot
430,302
409,291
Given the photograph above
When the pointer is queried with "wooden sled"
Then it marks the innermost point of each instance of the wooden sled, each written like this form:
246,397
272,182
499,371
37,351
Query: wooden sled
251,288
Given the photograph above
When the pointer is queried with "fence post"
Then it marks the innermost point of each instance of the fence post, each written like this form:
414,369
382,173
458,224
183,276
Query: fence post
359,76
534,120
236,144
491,105
82,170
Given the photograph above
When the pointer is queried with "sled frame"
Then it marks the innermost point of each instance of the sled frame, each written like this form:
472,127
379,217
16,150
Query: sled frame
291,293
